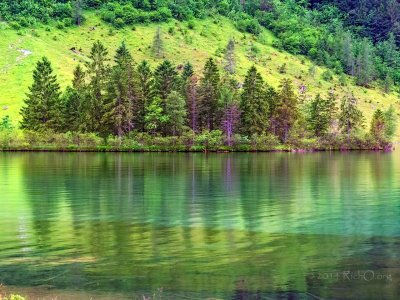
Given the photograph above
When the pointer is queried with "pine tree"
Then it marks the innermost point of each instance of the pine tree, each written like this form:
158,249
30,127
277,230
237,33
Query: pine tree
155,116
318,118
78,12
253,106
175,111
388,83
78,82
348,59
231,111
287,109
187,71
144,92
118,116
331,109
42,105
230,56
350,116
158,45
364,64
71,109
210,94
378,125
98,73
191,93
165,80
391,122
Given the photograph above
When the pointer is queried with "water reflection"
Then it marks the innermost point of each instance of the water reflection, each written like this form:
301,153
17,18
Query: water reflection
240,226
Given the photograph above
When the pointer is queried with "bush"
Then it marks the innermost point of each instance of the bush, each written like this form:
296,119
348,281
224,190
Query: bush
327,75
119,23
108,16
265,142
15,25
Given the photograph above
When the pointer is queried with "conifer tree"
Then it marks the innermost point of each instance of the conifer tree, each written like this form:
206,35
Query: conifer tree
98,73
391,122
187,71
42,105
287,109
176,112
230,56
364,64
158,45
331,109
119,109
350,116
144,92
210,94
253,106
165,80
318,118
231,111
378,125
191,92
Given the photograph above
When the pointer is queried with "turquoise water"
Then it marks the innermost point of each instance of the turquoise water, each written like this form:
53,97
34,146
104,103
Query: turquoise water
229,226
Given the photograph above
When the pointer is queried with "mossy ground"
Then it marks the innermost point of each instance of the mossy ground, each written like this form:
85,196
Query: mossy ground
205,39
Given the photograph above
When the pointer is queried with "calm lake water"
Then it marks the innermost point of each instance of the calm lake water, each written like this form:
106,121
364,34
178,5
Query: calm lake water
228,226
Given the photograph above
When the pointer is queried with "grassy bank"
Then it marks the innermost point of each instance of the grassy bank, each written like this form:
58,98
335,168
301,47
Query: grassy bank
214,141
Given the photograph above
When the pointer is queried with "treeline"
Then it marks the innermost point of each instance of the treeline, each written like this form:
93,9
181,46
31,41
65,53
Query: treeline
355,37
125,99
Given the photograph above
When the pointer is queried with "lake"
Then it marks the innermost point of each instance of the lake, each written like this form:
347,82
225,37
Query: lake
196,226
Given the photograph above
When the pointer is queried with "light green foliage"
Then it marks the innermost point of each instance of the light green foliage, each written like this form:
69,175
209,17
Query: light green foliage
350,116
378,125
391,122
175,111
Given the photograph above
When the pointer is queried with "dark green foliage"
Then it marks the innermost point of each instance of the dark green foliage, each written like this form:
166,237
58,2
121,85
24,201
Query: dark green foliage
230,60
175,111
42,105
378,125
6,124
158,44
391,122
253,104
350,116
165,79
210,94
318,120
286,110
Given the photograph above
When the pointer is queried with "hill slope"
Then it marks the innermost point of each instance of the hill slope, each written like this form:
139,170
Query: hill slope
20,51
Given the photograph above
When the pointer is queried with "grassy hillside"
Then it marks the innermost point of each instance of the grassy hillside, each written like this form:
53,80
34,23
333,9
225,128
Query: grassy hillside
194,45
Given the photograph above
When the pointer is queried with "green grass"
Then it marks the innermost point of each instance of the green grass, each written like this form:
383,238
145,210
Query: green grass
185,45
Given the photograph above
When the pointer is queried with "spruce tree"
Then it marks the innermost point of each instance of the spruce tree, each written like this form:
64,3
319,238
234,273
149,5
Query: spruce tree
287,109
318,118
364,64
144,93
158,45
165,80
98,73
176,112
378,125
71,109
253,105
210,94
350,116
118,116
391,122
230,56
331,109
42,105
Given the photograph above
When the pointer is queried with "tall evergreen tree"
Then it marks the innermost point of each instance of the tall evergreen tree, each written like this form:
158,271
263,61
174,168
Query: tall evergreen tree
231,111
119,108
78,12
192,104
165,80
158,44
391,122
230,56
364,64
318,118
287,109
98,73
378,125
144,92
331,109
350,116
176,112
253,106
210,94
42,105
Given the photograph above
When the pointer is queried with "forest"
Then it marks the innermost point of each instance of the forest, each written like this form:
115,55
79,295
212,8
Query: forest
121,101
